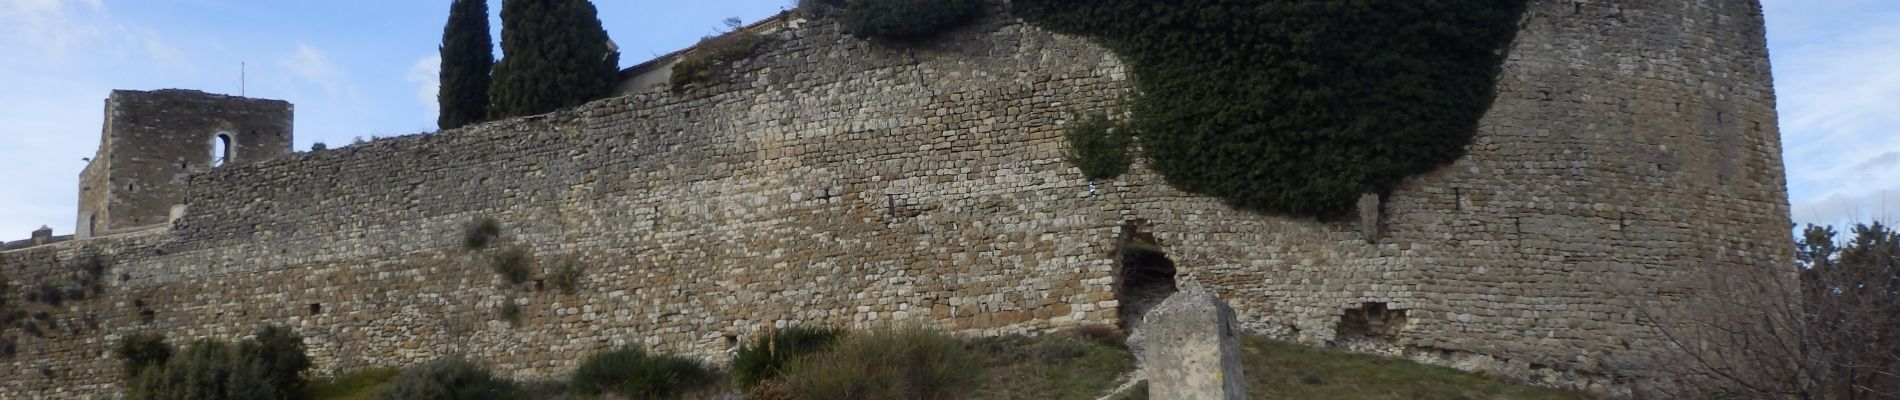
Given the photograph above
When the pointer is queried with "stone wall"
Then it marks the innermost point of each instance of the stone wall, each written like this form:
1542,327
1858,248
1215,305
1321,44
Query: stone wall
841,182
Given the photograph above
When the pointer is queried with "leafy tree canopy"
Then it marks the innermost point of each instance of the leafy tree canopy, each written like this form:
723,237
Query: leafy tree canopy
554,55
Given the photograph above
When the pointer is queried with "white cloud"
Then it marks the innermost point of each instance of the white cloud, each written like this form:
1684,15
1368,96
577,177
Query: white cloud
314,67
1883,205
1837,93
57,26
427,75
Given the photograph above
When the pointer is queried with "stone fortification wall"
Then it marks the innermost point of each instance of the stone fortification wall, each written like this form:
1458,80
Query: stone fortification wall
833,182
837,181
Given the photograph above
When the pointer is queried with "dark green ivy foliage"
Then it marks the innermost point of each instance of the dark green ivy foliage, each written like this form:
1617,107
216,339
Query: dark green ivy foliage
1297,106
554,55
468,55
1098,147
907,20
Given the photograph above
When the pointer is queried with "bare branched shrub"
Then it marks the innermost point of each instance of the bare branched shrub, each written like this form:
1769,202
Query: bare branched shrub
1827,327
567,277
512,264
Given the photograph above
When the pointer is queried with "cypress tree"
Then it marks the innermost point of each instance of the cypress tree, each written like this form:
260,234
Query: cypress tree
554,55
468,55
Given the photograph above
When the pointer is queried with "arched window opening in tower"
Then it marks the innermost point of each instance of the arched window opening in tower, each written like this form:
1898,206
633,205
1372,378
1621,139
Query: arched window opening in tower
221,151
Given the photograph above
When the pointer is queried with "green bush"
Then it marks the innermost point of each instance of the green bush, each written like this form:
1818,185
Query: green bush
270,366
277,355
634,374
1297,106
142,351
886,363
1098,147
766,356
512,265
907,20
204,370
451,378
713,57
477,234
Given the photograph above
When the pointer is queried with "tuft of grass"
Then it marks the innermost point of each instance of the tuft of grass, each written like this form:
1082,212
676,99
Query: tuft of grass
713,57
1137,392
354,385
479,233
512,265
1067,365
634,374
1106,335
1280,370
767,356
509,311
886,363
566,277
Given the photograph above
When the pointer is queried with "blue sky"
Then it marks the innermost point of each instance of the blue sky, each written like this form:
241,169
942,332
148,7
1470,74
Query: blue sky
363,68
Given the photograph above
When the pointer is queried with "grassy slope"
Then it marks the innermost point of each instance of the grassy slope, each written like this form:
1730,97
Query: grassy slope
1068,366
1063,366
359,385
1279,370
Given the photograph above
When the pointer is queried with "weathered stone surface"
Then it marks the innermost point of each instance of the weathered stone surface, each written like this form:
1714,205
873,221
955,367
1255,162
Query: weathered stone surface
1629,142
1369,210
1189,348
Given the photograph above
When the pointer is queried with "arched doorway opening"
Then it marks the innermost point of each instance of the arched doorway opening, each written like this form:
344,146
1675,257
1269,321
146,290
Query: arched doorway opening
1144,277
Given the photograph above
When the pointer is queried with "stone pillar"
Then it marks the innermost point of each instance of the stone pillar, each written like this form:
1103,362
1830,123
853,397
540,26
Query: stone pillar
1188,348
1369,212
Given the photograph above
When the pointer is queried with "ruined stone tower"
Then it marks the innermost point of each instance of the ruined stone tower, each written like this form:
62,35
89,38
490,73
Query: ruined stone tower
152,141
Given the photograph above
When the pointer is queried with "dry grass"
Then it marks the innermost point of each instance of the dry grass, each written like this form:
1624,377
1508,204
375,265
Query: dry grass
1077,365
1279,370
357,385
